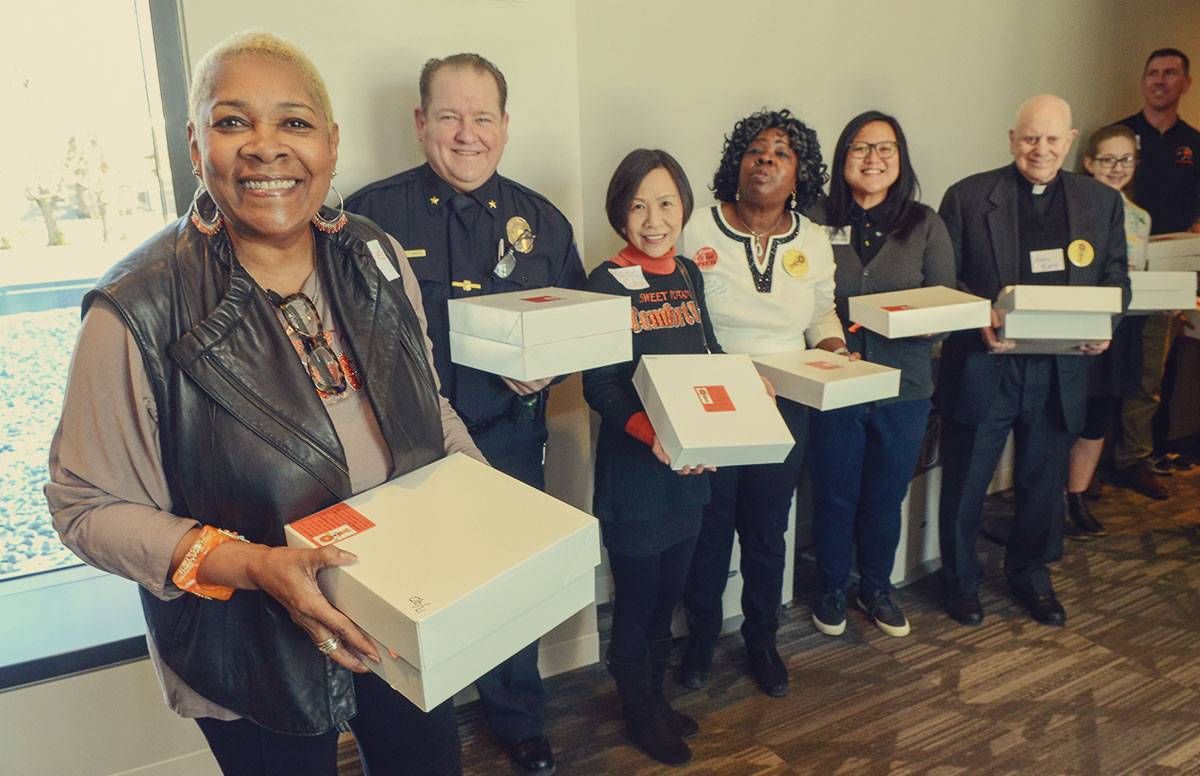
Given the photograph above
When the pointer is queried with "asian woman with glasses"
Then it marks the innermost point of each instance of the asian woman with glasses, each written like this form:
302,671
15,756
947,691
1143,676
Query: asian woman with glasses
862,457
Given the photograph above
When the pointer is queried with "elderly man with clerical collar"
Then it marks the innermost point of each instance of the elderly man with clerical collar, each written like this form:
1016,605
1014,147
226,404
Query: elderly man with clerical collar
1010,226
468,231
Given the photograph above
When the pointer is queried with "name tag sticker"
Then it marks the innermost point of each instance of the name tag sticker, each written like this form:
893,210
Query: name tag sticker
381,260
631,278
1049,260
838,235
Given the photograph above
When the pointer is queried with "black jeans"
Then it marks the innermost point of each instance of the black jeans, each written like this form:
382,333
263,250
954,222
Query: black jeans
754,501
393,737
647,589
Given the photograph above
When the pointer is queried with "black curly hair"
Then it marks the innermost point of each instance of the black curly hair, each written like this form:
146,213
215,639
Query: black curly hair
811,173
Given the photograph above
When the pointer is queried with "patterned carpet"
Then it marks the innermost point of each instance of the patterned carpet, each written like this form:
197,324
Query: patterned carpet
1115,692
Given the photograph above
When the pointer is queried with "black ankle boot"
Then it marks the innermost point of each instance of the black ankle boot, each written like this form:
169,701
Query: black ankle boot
645,723
1081,516
697,661
660,656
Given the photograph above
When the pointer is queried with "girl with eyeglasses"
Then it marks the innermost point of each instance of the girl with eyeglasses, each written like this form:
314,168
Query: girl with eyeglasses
862,457
1127,371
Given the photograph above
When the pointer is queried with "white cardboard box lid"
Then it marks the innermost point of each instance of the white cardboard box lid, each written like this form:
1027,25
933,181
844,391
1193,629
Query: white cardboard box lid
446,534
1173,244
739,411
539,315
914,299
1062,299
1152,280
822,366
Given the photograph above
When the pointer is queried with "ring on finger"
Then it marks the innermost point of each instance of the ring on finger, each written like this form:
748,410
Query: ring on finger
329,645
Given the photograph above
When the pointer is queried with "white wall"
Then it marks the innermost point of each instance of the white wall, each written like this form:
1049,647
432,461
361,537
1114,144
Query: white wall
590,80
952,71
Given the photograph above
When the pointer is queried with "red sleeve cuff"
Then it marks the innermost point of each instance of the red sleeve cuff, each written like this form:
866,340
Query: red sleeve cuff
638,426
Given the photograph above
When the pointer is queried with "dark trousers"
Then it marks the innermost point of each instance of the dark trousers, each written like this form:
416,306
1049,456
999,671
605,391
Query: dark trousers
862,459
754,502
1027,403
393,737
513,699
647,589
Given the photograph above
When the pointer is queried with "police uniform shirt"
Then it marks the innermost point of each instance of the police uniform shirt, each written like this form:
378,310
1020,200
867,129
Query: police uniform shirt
500,220
1167,180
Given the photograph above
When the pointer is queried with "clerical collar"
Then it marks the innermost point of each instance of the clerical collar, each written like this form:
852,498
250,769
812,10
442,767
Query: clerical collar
1034,189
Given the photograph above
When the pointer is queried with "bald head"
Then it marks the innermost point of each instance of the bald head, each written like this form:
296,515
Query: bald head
1041,137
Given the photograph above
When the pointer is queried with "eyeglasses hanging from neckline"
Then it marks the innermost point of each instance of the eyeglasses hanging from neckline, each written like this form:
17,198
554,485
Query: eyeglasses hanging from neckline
322,363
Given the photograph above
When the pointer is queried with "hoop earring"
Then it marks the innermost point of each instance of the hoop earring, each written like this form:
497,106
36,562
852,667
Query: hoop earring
334,225
206,228
792,200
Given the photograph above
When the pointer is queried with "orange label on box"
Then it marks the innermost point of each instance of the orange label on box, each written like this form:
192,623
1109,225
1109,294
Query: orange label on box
714,398
824,365
332,525
895,308
540,299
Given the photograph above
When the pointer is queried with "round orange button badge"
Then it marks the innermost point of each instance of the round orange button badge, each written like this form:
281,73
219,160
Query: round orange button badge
705,258
795,263
1081,253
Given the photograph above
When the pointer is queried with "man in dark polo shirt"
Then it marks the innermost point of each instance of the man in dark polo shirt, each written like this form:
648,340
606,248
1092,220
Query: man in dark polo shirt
1027,223
469,231
1167,184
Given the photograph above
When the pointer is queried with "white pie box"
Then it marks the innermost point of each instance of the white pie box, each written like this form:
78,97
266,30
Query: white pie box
1056,319
827,381
917,311
542,332
1174,251
459,567
711,409
1154,290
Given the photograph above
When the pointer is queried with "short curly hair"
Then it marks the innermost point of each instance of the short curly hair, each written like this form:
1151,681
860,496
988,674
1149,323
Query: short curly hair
811,173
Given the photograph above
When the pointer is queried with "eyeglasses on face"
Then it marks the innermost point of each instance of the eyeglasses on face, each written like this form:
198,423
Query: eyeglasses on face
886,149
322,363
1109,162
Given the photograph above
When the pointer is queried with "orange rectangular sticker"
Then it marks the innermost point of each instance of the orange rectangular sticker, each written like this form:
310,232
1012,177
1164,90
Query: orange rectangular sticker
714,398
540,299
824,365
332,525
895,308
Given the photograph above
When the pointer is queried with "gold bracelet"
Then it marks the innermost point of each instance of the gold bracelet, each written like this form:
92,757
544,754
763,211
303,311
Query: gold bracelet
186,575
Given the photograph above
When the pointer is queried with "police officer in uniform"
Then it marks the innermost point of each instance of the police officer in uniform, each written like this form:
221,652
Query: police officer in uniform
469,231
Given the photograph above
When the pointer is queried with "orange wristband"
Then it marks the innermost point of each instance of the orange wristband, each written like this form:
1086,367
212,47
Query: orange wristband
185,576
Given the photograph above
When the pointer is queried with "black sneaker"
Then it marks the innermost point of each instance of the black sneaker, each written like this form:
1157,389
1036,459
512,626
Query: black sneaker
1160,465
884,613
829,613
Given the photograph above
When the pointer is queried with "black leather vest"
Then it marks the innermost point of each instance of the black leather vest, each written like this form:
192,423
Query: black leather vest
247,445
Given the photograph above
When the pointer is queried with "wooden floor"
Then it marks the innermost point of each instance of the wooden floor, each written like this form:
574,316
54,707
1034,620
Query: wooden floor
1116,691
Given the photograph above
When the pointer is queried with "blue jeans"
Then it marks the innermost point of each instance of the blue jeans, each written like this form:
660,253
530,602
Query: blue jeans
862,459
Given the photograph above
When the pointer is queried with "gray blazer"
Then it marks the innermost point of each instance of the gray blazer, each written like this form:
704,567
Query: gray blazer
922,257
981,215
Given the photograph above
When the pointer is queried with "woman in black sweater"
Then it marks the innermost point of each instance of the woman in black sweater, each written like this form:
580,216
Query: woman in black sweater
649,515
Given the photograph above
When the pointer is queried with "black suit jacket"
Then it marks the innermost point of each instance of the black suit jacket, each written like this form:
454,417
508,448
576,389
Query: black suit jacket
981,215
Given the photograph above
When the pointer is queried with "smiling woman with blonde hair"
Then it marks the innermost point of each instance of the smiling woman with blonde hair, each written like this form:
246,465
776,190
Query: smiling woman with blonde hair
258,360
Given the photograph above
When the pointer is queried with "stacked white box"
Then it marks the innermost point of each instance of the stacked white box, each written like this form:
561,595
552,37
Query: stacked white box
827,381
711,409
1157,290
459,567
1174,251
1057,319
918,311
543,332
